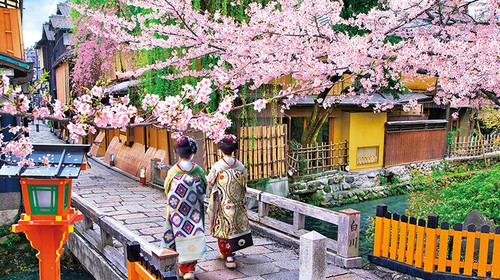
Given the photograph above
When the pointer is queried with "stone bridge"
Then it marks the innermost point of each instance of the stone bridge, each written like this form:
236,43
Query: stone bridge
117,209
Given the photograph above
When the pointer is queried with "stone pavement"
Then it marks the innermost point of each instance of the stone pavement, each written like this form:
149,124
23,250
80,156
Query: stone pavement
142,210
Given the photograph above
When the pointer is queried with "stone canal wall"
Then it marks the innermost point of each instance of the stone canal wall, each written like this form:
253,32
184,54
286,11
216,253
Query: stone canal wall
335,188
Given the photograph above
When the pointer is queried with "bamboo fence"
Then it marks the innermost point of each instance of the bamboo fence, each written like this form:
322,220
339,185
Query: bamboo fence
471,146
318,157
262,150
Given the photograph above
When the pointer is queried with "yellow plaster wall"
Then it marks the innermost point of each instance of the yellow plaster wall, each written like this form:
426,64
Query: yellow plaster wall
363,129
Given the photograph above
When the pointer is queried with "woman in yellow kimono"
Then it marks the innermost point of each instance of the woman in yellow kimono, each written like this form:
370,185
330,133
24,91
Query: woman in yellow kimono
227,207
185,187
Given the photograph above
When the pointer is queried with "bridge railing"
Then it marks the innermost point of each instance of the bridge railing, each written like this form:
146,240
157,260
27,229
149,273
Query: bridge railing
343,251
140,267
102,232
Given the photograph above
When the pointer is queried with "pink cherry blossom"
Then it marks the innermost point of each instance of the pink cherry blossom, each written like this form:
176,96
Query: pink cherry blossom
260,104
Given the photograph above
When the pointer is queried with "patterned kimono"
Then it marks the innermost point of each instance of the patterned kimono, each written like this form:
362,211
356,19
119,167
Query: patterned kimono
227,208
185,218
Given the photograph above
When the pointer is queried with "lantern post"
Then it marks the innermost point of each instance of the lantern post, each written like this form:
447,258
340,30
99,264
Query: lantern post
46,191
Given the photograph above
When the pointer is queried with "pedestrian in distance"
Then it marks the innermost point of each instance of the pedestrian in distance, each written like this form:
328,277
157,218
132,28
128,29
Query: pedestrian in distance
228,219
185,187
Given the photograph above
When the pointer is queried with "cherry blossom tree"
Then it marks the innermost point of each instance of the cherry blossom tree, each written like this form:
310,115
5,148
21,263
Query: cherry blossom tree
300,39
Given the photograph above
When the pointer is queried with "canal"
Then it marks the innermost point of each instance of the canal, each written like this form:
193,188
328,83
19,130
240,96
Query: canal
65,275
394,204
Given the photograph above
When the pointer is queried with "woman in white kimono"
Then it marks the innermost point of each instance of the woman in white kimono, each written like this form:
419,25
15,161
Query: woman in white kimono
228,220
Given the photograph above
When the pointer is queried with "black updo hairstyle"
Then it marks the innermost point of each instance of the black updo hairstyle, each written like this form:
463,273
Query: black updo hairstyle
228,144
185,147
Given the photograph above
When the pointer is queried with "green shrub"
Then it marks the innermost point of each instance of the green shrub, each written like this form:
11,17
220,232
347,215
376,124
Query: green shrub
452,197
481,192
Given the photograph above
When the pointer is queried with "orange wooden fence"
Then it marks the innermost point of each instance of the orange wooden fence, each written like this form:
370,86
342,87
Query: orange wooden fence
422,249
140,268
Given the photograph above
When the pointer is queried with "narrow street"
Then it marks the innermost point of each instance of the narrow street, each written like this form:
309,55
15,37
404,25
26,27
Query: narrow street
142,210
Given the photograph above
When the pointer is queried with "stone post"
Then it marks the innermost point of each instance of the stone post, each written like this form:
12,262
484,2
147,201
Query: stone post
312,258
155,174
348,238
166,260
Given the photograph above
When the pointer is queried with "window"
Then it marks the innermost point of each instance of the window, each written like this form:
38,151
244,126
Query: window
367,155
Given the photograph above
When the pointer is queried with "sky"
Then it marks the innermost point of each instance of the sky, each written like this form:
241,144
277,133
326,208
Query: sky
35,13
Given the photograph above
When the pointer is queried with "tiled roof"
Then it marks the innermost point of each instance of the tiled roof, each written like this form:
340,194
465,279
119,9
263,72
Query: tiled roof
63,9
48,33
60,22
377,98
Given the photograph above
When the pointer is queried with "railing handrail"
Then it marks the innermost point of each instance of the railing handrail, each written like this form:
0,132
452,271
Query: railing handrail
309,210
348,222
111,228
117,230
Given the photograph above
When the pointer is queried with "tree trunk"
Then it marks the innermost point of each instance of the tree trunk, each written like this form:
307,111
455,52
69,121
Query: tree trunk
319,116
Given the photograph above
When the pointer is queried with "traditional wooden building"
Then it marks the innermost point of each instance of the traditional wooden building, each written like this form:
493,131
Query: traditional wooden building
20,72
56,52
377,140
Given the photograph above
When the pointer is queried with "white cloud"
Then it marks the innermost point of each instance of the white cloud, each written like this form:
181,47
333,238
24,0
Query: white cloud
35,13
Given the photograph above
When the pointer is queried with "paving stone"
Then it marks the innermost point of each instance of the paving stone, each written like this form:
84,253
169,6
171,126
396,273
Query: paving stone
286,275
116,213
110,204
276,247
282,256
253,278
257,240
144,220
332,270
152,230
156,213
212,265
253,259
288,264
108,199
147,238
213,255
365,273
159,236
129,216
107,209
255,250
259,269
349,276
223,274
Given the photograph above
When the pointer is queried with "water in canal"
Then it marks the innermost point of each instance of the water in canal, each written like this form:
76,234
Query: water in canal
394,204
65,275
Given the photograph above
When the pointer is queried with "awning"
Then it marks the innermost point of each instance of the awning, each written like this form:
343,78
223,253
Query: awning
64,161
377,98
